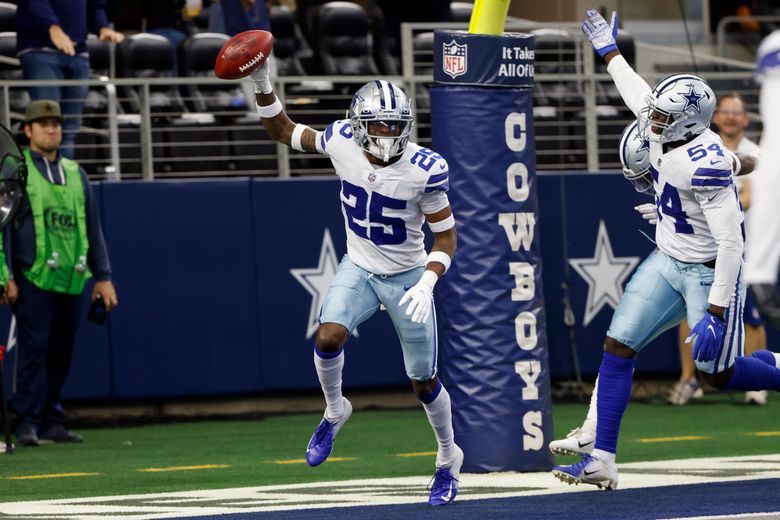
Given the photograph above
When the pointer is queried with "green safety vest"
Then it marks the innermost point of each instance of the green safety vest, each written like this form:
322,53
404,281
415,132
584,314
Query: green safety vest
60,222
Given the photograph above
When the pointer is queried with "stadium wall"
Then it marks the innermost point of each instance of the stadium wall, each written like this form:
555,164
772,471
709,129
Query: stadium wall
218,284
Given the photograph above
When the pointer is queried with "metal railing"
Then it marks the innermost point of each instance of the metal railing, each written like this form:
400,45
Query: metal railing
200,126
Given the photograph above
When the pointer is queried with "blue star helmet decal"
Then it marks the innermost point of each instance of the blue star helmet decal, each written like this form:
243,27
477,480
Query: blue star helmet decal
692,99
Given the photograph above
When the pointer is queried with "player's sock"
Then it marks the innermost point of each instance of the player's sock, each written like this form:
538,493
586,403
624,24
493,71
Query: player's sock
437,407
615,374
590,420
767,356
753,373
329,366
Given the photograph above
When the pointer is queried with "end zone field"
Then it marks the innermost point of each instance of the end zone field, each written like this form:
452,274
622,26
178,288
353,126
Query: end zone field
384,459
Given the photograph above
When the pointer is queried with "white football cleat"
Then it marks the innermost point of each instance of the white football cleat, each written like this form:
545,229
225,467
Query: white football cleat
758,397
577,442
589,470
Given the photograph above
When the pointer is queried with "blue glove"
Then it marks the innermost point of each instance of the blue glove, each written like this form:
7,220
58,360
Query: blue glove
707,338
600,35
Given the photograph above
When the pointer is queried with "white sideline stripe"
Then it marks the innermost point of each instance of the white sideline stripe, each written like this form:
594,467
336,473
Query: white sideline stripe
371,492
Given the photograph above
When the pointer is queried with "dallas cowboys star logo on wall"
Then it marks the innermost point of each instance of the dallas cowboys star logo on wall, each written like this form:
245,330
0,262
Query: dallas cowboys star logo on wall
692,99
316,280
604,273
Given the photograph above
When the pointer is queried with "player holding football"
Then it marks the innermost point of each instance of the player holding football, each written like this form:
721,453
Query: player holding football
389,188
696,272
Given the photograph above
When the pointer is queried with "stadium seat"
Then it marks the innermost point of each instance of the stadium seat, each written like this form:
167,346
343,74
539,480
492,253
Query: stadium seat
20,98
288,42
145,55
387,53
7,17
460,12
345,46
198,54
251,147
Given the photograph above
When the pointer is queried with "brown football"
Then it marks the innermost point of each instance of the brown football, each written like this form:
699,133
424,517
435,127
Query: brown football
243,54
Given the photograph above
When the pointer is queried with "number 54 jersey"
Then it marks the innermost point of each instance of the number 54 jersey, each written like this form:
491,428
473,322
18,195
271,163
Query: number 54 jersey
384,208
696,199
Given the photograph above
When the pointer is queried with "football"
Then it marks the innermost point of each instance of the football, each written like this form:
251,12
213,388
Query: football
243,54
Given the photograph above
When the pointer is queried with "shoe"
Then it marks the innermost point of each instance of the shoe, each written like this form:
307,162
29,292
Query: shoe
577,442
589,470
445,481
758,397
321,443
58,433
684,391
27,435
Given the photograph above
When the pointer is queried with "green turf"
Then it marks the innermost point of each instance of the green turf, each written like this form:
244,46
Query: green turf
372,438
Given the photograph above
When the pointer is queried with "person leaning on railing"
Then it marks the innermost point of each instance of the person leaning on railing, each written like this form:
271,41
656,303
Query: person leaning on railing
56,245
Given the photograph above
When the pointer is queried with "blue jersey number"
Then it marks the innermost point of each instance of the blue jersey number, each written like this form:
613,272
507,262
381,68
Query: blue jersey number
426,157
670,205
367,219
698,152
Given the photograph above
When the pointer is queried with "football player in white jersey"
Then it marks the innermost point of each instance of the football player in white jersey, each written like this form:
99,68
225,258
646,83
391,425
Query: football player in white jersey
696,272
634,155
390,187
762,249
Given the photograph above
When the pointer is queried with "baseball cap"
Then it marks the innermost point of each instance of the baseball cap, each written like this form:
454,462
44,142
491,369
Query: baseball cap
42,108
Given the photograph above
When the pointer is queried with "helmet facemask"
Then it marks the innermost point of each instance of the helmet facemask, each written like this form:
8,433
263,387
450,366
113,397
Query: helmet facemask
383,139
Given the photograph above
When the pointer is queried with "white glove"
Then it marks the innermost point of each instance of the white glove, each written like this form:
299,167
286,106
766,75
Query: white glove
600,34
649,212
262,79
420,297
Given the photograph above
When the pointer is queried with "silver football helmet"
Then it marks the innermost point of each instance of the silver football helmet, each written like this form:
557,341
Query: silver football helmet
635,157
380,103
679,107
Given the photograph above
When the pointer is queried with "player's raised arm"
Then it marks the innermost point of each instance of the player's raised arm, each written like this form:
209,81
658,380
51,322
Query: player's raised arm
602,35
275,120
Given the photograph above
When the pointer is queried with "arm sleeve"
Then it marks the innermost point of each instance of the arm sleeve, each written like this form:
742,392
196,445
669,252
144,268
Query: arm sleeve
97,255
433,202
721,210
327,139
96,15
631,86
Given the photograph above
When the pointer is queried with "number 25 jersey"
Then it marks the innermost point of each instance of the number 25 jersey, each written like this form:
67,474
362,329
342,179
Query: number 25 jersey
384,208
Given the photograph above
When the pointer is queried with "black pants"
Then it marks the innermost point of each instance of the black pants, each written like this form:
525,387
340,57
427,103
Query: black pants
46,324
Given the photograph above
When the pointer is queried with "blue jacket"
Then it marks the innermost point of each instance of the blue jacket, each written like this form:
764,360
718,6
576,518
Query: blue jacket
76,17
22,228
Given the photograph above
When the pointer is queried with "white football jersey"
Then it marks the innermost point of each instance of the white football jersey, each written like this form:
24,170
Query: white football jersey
683,176
384,208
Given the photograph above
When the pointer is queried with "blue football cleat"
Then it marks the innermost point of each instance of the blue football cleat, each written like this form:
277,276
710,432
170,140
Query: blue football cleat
589,470
445,481
321,443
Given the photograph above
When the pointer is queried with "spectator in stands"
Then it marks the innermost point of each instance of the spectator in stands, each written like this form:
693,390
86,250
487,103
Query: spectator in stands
52,44
56,246
166,18
236,16
732,120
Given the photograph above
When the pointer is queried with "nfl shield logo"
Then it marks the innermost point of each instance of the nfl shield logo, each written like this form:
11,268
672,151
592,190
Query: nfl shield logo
372,177
455,62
